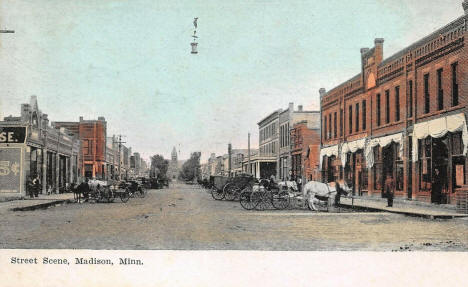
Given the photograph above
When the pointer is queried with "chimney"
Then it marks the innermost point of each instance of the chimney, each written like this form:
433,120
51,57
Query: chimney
465,6
378,50
322,92
364,50
291,106
299,108
101,119
81,118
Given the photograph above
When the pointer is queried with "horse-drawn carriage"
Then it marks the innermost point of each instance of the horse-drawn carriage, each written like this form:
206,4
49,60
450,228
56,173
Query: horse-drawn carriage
102,191
229,188
284,194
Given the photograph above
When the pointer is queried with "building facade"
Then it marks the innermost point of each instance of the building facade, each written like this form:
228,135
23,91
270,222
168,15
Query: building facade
268,145
287,119
30,148
305,150
93,137
404,117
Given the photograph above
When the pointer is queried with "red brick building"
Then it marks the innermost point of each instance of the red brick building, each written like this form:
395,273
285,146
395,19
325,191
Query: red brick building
305,150
403,116
93,135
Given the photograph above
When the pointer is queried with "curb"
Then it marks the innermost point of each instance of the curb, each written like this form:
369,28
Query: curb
407,213
41,205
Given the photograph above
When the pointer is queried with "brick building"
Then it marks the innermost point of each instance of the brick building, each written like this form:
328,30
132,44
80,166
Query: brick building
305,150
30,147
93,136
403,116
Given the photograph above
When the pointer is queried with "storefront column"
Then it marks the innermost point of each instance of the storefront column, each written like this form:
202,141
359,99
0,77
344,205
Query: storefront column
57,172
257,168
44,171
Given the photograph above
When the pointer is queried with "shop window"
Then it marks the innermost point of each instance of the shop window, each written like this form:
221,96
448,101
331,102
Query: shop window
378,168
454,85
425,174
399,169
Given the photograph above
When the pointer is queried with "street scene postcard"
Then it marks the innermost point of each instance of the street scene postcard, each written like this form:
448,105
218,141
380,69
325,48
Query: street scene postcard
227,138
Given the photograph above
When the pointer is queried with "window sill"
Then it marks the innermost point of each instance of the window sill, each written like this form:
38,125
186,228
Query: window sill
435,113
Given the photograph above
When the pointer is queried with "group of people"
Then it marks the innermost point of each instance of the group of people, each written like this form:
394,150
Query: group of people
34,186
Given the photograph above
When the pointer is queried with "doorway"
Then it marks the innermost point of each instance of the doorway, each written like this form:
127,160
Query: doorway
388,160
439,170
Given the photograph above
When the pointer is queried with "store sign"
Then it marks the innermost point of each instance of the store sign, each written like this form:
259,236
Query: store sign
12,134
10,170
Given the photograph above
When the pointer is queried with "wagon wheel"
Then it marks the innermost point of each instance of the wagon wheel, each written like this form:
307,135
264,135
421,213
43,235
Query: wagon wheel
231,191
280,200
110,196
124,196
216,193
263,200
141,192
247,199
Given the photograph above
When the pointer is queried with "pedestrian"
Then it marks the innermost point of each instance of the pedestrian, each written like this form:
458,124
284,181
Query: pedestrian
37,186
299,183
389,190
30,187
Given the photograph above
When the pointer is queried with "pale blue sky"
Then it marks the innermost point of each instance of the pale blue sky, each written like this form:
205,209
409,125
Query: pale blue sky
130,61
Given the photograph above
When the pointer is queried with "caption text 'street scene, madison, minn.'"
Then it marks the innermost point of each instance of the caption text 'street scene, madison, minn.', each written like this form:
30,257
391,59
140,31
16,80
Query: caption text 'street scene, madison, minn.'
257,126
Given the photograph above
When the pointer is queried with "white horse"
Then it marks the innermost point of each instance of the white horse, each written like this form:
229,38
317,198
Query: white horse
291,186
315,191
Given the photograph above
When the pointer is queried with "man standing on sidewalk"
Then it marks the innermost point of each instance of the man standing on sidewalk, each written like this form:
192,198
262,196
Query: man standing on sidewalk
389,190
30,187
36,186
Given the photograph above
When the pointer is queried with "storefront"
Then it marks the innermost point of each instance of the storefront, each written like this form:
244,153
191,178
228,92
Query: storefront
30,148
440,147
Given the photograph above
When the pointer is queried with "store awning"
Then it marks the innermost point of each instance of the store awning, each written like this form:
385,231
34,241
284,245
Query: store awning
351,147
438,128
328,151
383,142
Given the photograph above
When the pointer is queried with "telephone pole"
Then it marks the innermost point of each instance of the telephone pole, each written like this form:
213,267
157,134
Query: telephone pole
120,142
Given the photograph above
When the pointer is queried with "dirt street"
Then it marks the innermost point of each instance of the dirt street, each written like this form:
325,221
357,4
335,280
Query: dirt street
186,217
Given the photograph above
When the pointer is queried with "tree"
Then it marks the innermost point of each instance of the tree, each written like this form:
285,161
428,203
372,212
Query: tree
191,168
159,166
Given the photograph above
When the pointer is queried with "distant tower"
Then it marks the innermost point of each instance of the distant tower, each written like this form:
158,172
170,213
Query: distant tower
174,155
173,169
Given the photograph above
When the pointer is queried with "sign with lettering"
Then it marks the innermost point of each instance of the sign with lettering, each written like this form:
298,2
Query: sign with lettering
10,170
12,134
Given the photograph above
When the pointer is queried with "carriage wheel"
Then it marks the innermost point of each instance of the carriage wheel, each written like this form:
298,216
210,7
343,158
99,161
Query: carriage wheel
141,192
263,200
124,196
281,200
216,193
231,191
247,199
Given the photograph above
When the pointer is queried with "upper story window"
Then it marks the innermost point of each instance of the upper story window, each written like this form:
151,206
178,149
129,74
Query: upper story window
364,119
350,119
397,104
325,128
341,122
426,93
378,109
410,100
440,91
454,84
387,106
357,117
334,126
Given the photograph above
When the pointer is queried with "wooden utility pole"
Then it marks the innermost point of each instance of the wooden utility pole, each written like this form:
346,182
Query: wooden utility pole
249,169
120,142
